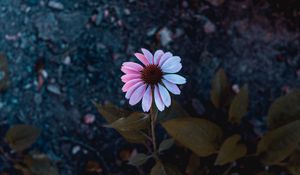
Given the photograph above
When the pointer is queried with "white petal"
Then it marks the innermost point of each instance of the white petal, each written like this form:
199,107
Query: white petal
173,88
171,62
147,100
165,96
132,88
158,101
166,56
174,78
148,55
173,69
137,95
157,55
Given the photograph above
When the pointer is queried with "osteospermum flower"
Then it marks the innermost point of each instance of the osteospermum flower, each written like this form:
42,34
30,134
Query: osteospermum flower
153,79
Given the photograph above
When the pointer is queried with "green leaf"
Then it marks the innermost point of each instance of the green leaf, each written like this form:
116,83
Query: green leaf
174,111
165,144
221,91
278,144
231,150
4,77
139,159
239,106
199,135
284,110
164,169
112,113
134,121
21,137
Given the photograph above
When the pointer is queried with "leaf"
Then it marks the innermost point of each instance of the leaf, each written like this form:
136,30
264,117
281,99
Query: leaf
231,150
112,113
93,167
278,144
221,91
193,165
164,169
138,159
239,106
21,137
4,77
165,144
174,111
40,164
284,110
134,121
294,162
199,135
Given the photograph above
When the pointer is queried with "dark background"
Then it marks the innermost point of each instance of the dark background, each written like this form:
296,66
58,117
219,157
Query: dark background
81,44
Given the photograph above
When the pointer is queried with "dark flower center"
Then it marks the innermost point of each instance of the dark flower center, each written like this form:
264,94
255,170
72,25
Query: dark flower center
152,74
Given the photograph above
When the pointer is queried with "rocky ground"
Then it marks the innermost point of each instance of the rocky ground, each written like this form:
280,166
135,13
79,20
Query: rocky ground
64,54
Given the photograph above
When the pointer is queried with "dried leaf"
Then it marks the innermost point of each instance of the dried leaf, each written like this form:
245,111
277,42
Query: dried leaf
193,165
40,164
165,144
93,167
138,159
112,113
278,144
21,137
284,110
294,162
164,169
239,106
221,91
134,121
231,150
174,111
199,135
4,77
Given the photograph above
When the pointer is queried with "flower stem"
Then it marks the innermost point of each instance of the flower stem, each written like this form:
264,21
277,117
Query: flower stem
153,116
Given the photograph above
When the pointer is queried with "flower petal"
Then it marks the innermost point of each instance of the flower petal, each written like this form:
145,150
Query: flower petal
158,101
130,83
147,100
157,55
166,56
132,89
127,77
148,55
133,66
164,94
171,62
127,70
173,69
174,78
142,58
173,88
137,95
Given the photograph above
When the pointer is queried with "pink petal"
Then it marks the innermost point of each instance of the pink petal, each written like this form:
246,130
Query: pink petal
127,77
130,83
133,66
137,95
157,55
171,62
166,56
164,94
174,78
142,58
173,88
158,101
148,55
132,89
172,69
127,70
147,100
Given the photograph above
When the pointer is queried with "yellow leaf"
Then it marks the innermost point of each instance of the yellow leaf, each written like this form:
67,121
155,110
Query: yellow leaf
199,135
284,110
239,106
134,121
231,150
278,144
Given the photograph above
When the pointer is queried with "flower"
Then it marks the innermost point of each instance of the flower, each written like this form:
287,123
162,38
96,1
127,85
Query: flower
153,79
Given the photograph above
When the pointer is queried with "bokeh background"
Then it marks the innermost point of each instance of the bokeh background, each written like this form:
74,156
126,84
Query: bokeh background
64,54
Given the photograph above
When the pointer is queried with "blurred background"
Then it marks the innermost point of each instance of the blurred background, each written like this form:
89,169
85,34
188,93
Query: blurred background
58,56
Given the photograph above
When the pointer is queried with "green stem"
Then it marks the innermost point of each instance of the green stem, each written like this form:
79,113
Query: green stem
153,122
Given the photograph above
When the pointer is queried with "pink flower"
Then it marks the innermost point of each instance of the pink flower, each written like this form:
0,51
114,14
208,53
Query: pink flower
152,80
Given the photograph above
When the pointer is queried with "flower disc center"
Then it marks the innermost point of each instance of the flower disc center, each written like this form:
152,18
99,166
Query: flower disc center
152,74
